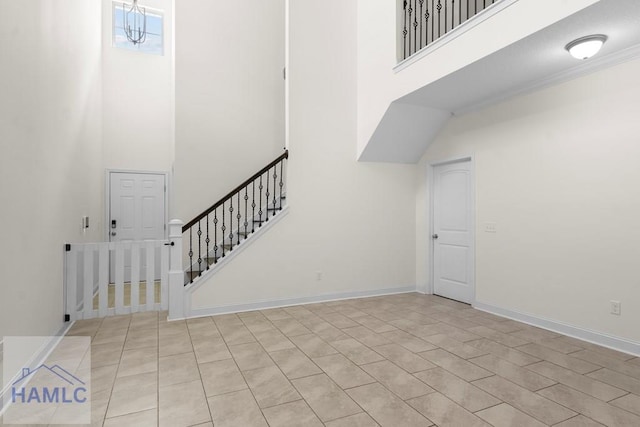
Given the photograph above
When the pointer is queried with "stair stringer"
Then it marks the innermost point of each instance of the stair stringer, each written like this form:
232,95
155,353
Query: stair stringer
222,262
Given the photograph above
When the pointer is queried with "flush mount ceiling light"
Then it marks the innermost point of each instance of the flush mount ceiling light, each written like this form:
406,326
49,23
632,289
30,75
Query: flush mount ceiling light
586,47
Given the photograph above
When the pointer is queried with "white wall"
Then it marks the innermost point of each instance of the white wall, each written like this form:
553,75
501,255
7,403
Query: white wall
138,97
353,222
557,171
229,96
50,166
379,85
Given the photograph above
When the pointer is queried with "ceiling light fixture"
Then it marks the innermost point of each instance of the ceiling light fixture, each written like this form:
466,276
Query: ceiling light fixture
586,47
135,22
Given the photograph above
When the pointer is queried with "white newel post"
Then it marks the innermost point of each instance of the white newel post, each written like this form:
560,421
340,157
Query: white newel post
176,272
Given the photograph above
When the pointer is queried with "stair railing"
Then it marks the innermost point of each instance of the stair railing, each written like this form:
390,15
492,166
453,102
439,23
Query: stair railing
214,233
424,21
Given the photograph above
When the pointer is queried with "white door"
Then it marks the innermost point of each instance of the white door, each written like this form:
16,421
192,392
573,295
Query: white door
136,212
453,224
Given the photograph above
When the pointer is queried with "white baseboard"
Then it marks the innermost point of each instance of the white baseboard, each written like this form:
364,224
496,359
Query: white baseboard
287,302
616,343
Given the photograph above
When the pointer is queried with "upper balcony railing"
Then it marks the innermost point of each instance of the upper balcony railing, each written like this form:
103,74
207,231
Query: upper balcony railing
422,22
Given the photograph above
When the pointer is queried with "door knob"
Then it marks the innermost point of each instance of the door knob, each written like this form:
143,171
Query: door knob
435,236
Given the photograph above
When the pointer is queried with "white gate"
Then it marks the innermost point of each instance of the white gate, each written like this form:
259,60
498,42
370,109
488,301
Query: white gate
88,291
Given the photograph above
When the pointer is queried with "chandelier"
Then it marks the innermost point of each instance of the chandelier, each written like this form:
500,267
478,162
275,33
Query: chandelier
135,22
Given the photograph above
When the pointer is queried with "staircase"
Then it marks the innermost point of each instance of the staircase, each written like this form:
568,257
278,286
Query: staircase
225,227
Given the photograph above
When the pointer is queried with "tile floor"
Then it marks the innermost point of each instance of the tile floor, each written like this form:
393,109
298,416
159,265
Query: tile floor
401,360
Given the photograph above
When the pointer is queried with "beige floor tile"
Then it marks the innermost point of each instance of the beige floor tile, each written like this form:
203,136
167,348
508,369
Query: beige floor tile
463,393
444,412
134,393
591,407
500,337
221,377
458,348
387,409
116,322
533,334
617,379
139,419
313,346
175,344
102,378
579,421
408,341
294,414
502,351
273,340
183,405
358,420
294,363
291,327
138,361
356,352
558,344
630,402
405,385
343,371
609,362
141,338
366,336
236,334
210,350
177,327
326,399
176,369
326,330
339,321
514,373
250,356
237,409
109,336
504,415
581,383
456,365
404,358
144,321
542,409
270,387
560,359
376,325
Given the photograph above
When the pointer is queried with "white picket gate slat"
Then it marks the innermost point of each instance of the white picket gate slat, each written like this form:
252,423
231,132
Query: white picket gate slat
87,269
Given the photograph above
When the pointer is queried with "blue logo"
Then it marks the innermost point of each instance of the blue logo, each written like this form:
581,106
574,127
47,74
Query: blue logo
67,389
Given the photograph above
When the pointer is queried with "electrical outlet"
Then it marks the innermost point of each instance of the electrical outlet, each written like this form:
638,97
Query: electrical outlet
490,227
318,275
615,307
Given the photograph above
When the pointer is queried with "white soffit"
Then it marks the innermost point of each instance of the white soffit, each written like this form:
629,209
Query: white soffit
539,60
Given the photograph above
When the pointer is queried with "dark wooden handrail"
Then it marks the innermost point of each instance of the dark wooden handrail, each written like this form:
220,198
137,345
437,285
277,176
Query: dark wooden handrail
219,203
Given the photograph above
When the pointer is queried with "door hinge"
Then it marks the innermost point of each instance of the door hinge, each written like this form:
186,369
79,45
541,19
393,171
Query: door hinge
67,318
67,247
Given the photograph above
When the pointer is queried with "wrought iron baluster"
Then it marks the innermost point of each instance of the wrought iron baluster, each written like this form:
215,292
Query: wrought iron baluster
199,233
231,223
281,183
239,215
439,7
410,18
415,28
253,206
433,24
246,201
207,240
404,29
223,229
267,194
421,3
445,15
260,187
215,237
191,255
275,177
